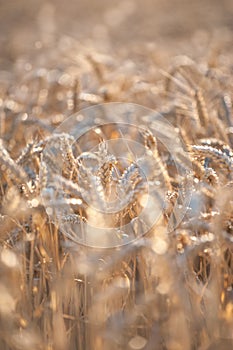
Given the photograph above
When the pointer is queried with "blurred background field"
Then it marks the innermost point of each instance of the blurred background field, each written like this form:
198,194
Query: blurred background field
176,26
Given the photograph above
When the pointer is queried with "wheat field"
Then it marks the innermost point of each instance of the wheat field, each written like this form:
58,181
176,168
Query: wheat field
171,286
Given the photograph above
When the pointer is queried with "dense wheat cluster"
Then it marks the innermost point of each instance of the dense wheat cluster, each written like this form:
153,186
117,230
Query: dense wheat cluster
168,289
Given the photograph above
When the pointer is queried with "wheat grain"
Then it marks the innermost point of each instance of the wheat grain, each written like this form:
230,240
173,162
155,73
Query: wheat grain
217,156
